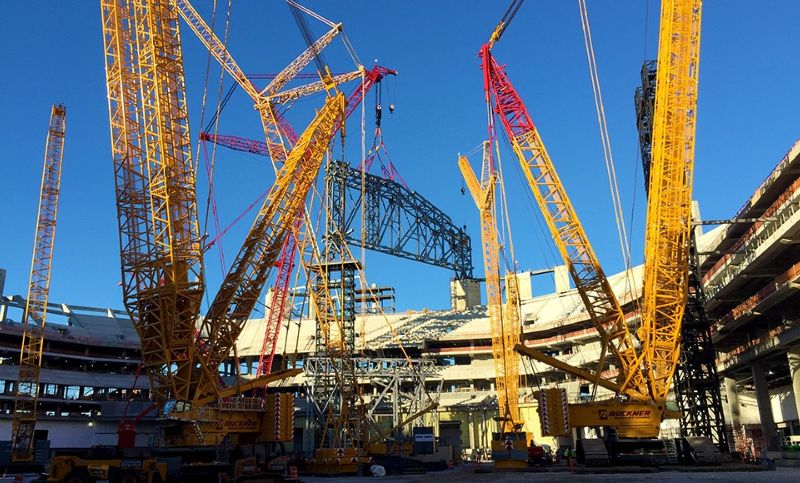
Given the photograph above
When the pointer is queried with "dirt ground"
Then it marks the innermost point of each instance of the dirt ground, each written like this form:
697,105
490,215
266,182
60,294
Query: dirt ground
465,474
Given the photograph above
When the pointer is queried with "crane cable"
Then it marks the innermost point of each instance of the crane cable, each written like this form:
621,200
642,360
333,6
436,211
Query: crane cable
605,140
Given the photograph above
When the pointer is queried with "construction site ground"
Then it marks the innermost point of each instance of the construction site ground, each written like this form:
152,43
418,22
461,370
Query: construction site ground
752,474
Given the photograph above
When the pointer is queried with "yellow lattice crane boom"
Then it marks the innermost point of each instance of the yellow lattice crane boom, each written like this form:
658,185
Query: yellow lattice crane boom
504,337
669,202
23,421
266,99
509,445
162,269
241,288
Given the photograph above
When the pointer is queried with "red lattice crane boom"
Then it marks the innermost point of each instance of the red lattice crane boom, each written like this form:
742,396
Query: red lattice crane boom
568,234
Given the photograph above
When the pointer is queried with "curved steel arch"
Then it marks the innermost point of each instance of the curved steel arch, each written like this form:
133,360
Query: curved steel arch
396,221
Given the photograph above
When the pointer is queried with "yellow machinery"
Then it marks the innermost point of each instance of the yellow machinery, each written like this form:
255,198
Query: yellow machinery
107,464
160,247
669,203
644,375
23,421
509,450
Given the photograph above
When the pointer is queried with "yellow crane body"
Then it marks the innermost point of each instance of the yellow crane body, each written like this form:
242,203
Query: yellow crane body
23,422
160,246
645,374
509,450
670,194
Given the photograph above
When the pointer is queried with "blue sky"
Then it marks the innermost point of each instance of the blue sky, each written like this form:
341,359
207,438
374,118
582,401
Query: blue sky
748,103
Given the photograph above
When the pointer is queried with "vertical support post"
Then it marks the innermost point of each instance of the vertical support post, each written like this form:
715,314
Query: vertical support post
768,426
733,401
794,371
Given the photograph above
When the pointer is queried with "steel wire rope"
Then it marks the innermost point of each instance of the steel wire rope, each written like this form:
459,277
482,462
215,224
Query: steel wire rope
363,202
638,156
211,197
606,143
623,238
203,102
548,254
505,217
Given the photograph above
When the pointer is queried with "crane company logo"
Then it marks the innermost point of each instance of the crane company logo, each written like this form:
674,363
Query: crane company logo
631,414
241,425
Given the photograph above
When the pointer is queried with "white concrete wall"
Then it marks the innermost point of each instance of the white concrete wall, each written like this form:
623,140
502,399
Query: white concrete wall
781,399
78,434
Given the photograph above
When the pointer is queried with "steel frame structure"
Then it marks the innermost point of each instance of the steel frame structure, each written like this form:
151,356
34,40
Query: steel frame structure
333,392
399,382
397,221
644,100
26,392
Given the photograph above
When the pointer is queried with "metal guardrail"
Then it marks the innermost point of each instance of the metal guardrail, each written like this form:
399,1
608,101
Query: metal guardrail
745,250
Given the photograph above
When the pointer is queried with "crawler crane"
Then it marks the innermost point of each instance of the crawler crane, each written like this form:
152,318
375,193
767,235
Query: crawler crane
644,375
509,446
160,245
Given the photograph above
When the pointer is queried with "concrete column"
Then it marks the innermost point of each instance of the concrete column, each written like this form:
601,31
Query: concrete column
2,287
561,277
764,406
471,426
734,411
525,286
794,369
464,294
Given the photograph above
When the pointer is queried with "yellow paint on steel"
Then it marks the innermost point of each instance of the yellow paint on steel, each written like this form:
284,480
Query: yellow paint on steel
505,335
573,244
669,202
26,394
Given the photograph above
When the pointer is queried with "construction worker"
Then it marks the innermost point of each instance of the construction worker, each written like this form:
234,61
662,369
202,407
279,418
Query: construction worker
572,457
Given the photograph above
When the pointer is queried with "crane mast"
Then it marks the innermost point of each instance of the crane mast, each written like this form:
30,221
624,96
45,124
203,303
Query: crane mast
159,243
504,337
23,421
509,446
162,269
668,226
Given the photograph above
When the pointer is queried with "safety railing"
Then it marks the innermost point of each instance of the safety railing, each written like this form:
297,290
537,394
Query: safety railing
748,305
746,249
